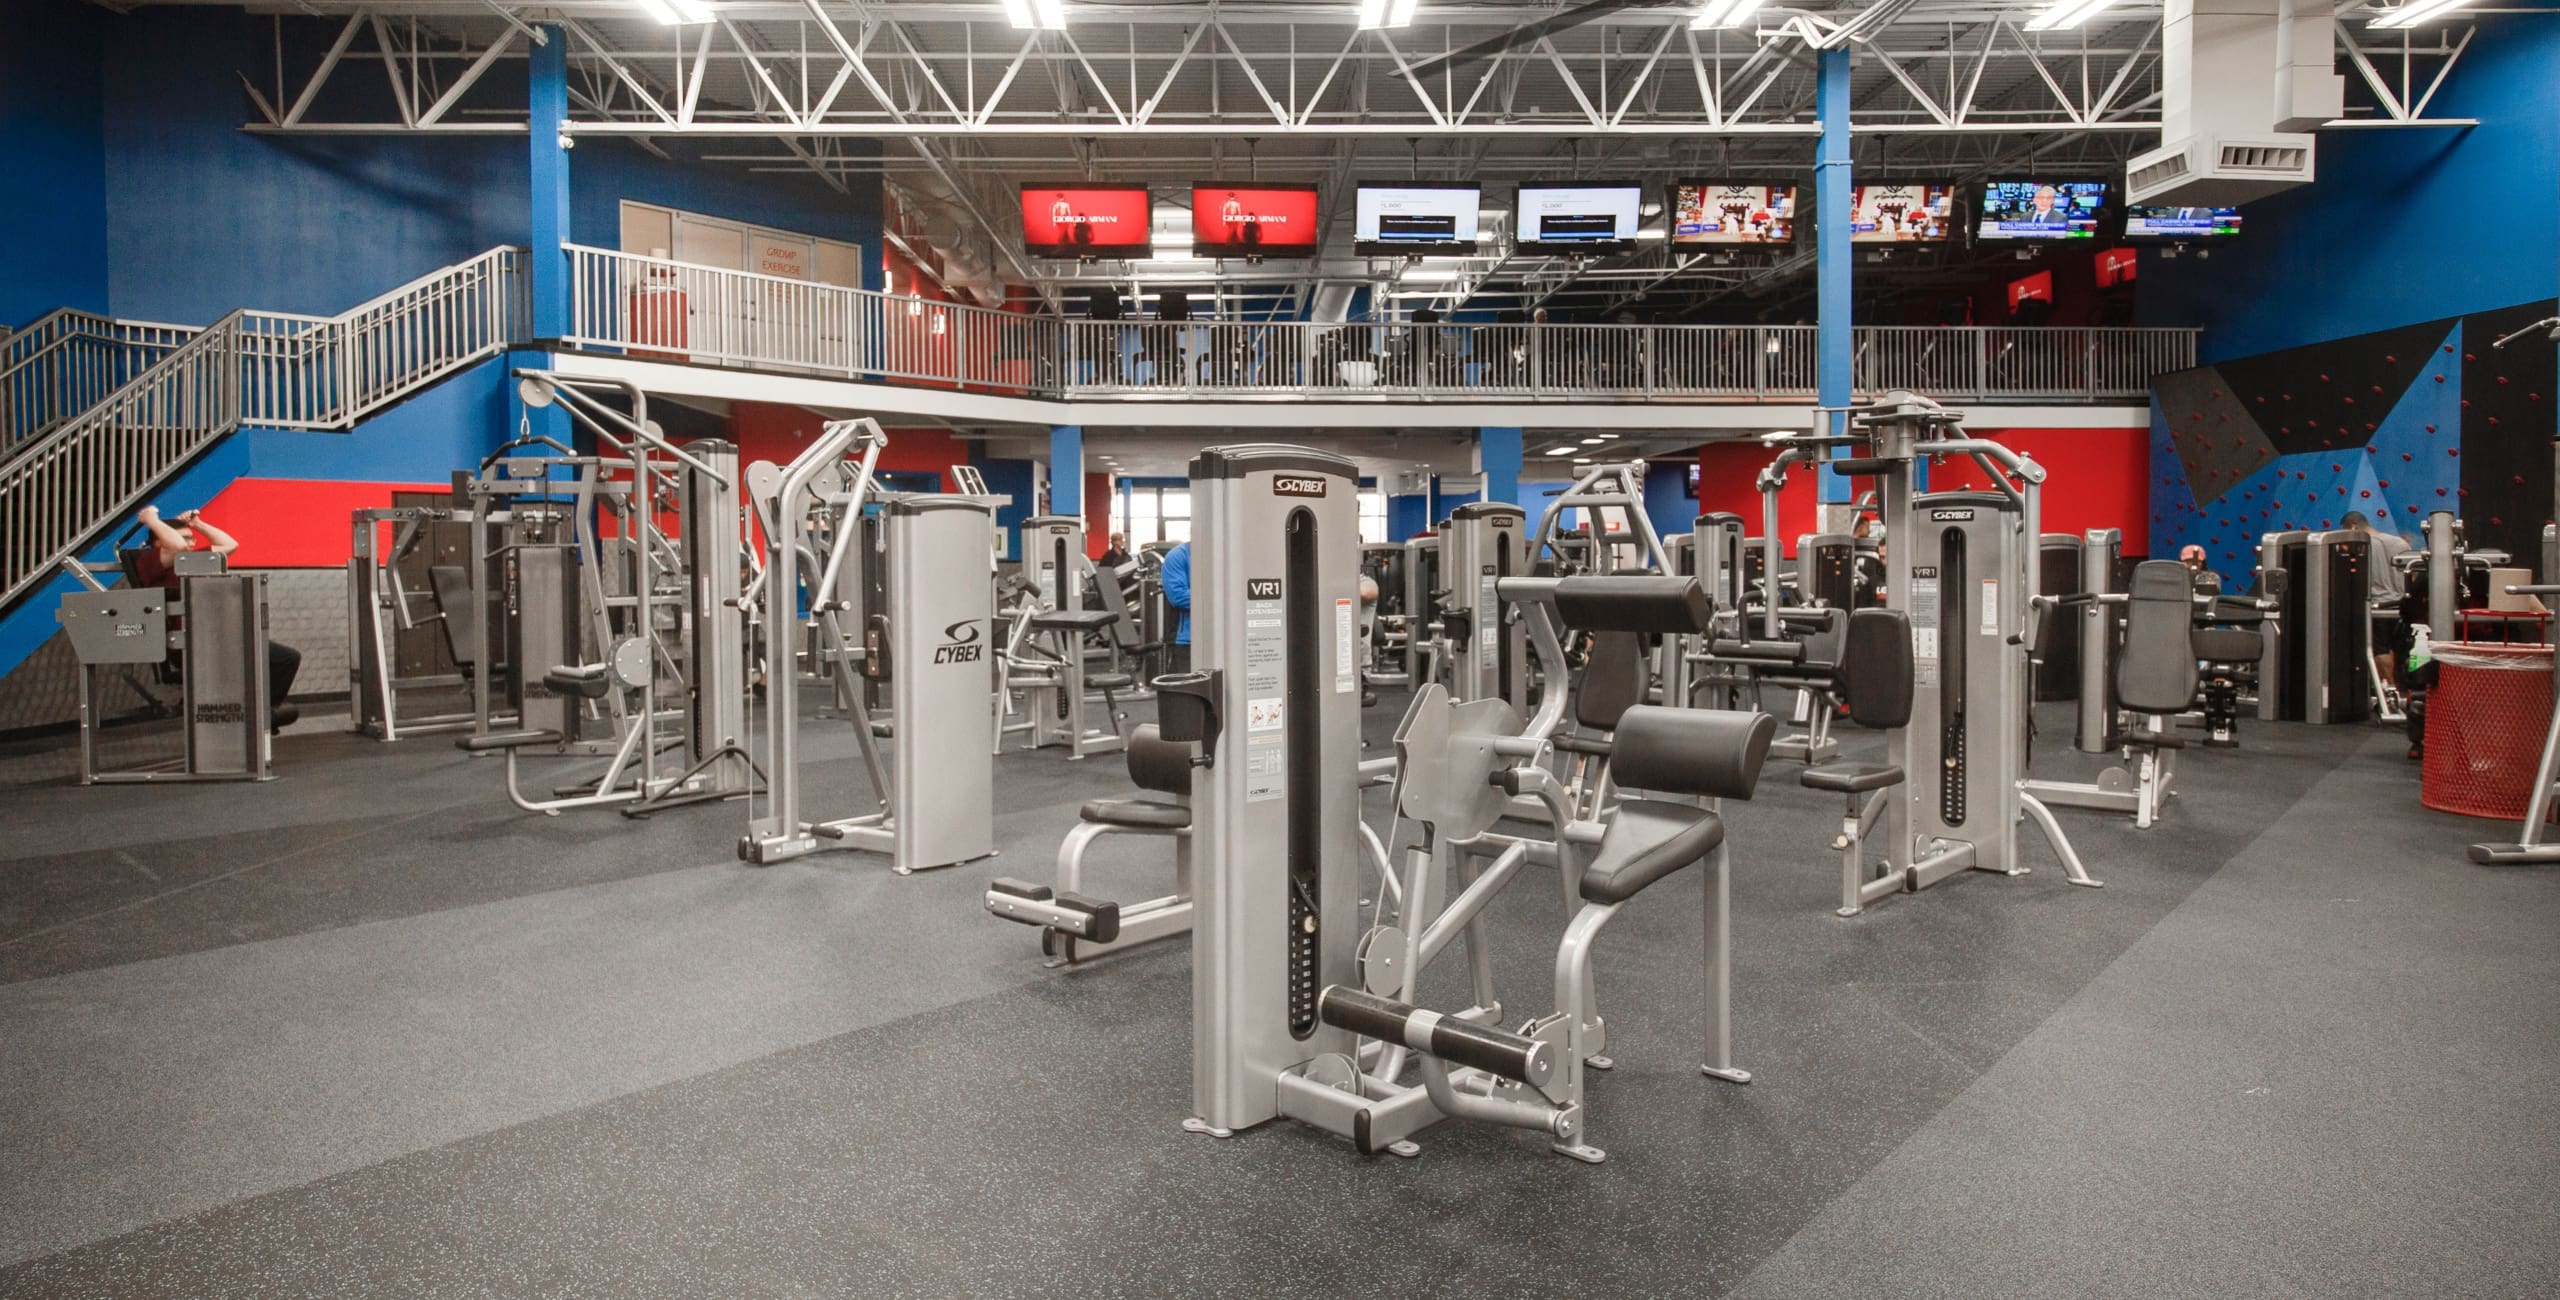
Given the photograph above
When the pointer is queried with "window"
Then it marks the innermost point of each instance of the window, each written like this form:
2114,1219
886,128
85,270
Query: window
1373,516
1153,514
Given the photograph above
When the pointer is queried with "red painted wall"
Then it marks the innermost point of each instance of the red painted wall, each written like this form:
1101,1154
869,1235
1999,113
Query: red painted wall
1729,480
1097,514
297,523
2095,478
777,432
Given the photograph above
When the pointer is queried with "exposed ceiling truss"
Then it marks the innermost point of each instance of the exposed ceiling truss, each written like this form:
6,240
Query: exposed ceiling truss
952,106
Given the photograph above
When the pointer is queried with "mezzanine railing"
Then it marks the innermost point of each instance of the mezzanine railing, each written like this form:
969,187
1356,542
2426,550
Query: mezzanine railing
655,308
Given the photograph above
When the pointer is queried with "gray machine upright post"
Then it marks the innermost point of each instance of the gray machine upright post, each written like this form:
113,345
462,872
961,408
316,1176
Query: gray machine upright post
2444,572
2337,638
1053,558
1482,543
941,628
1421,602
1275,564
2280,665
2096,731
1969,688
715,561
1717,545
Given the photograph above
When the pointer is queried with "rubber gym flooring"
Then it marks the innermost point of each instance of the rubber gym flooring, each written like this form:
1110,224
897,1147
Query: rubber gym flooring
369,1031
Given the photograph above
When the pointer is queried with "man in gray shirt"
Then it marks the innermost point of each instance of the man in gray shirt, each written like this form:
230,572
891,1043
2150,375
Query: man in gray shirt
2383,576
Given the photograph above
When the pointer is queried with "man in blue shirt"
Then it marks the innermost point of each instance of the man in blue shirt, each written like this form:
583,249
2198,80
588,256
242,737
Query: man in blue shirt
1177,593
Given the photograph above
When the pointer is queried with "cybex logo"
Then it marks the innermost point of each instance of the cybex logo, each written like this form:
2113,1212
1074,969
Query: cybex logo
960,644
1944,516
1297,485
1262,589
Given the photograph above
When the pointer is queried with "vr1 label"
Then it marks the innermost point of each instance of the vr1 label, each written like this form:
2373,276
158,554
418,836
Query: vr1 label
1297,485
1262,589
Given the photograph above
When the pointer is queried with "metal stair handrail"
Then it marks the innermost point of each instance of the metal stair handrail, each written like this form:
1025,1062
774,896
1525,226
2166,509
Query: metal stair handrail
268,369
69,360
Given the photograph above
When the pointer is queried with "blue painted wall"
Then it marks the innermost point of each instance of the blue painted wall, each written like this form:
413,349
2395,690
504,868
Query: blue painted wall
1666,497
2402,225
52,125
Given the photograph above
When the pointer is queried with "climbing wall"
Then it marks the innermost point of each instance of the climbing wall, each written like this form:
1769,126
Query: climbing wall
2397,424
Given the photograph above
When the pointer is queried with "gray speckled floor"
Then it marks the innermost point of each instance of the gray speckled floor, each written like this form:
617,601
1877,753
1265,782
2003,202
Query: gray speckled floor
366,1031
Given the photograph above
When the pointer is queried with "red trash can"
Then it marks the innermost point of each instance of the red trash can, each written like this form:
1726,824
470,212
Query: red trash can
2486,719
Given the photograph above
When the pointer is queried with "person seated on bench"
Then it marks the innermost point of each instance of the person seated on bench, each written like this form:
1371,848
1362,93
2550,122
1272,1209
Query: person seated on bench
157,566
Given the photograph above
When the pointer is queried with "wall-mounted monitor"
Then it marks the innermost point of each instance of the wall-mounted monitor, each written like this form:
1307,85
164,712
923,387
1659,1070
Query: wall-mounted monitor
2041,209
1567,216
1085,220
1707,213
1253,220
1415,218
1901,214
2181,223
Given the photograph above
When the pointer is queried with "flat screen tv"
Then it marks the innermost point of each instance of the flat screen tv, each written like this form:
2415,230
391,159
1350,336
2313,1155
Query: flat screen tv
1578,216
1901,214
1085,220
1253,220
1416,218
2181,223
2041,209
1703,212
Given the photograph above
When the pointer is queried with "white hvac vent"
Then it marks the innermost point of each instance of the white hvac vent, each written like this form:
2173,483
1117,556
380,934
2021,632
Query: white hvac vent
2218,172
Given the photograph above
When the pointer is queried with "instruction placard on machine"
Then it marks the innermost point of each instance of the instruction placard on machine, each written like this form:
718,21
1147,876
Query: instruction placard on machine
1266,692
1924,626
1488,629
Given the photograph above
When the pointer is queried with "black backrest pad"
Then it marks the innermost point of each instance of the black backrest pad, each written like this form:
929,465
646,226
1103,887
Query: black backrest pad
1712,752
1598,603
1158,764
2156,671
1876,668
1613,680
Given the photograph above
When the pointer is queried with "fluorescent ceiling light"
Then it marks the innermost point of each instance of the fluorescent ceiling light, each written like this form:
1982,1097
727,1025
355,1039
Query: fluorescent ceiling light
2066,13
1593,442
1432,275
1375,14
1649,234
674,12
1559,451
1717,14
2415,12
1049,14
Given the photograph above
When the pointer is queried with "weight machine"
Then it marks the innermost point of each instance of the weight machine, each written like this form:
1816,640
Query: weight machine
212,638
1299,1010
1950,793
933,800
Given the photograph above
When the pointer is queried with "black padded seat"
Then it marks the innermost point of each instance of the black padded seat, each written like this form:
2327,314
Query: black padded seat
1851,778
589,680
505,740
1139,814
1647,840
1080,620
1110,681
2227,645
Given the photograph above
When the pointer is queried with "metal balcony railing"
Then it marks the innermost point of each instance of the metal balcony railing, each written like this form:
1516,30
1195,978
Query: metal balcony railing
656,308
62,486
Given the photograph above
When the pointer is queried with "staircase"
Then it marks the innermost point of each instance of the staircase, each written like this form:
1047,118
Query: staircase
96,413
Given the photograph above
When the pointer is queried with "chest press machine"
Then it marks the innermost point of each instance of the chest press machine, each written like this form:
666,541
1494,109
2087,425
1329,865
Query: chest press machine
1298,1009
933,799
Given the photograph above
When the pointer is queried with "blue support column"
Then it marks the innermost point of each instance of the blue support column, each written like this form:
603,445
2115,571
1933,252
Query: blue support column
548,91
1498,459
1066,470
1834,348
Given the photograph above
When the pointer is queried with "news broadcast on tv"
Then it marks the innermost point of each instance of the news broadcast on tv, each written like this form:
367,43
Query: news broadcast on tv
1085,220
2041,209
1253,220
2181,223
1733,214
1900,214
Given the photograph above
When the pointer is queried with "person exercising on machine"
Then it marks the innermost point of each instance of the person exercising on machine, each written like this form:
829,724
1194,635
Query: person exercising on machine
158,567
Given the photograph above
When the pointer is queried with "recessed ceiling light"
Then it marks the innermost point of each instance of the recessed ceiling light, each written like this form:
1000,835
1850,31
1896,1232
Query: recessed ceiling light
1559,451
